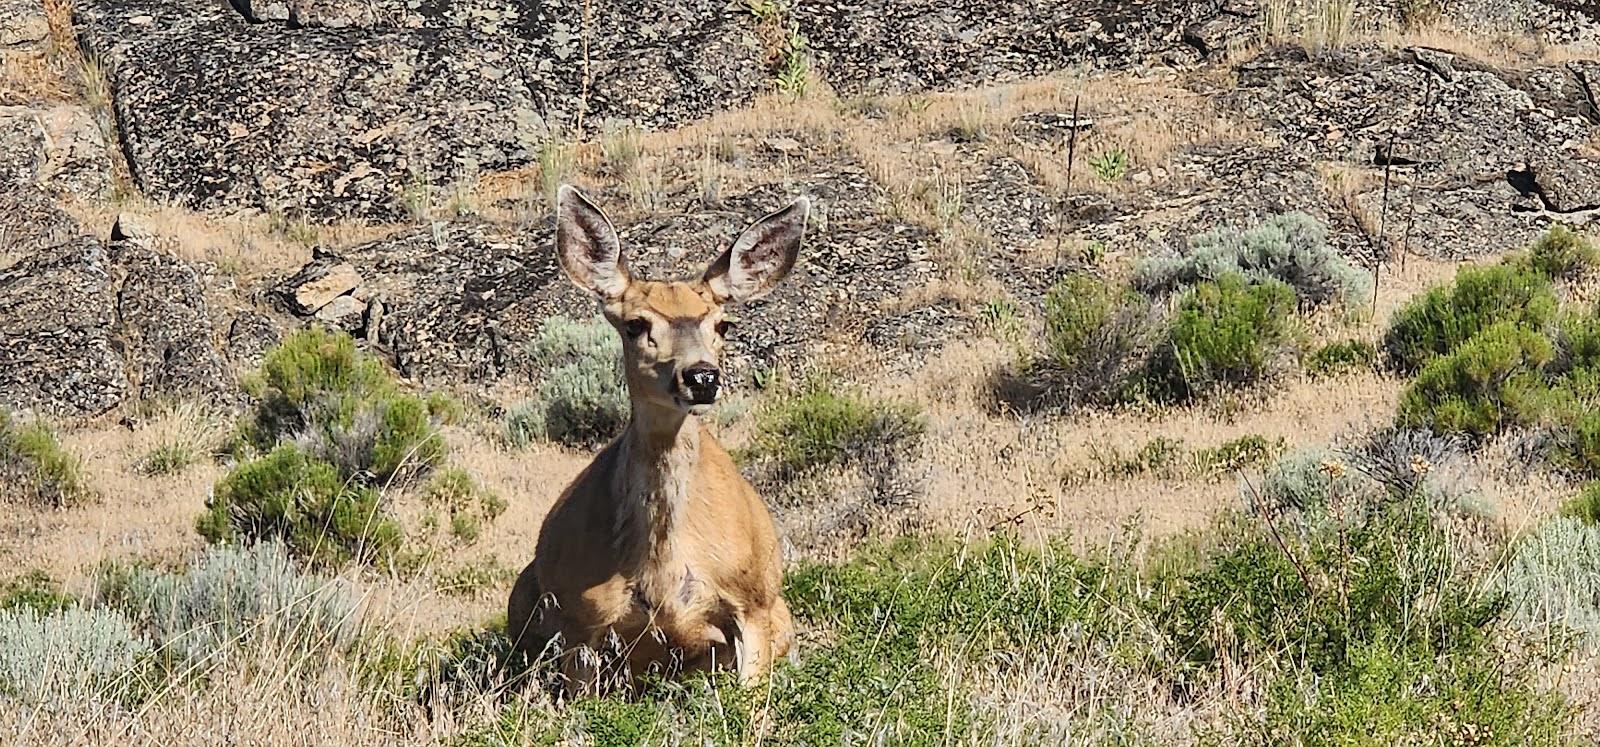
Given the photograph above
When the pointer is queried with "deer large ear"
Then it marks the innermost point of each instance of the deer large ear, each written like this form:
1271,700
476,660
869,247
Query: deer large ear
761,256
587,246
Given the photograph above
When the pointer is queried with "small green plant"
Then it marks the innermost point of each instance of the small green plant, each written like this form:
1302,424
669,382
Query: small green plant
1003,319
1490,383
1076,308
1245,452
1585,506
1092,253
34,590
786,48
822,424
1111,165
1098,338
1228,333
468,504
1562,254
1160,456
581,398
1340,357
35,468
303,502
168,458
1448,316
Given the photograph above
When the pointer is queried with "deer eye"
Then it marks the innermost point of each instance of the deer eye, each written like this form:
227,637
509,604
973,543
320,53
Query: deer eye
724,327
636,326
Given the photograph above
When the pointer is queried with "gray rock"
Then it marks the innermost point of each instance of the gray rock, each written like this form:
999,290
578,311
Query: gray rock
59,148
57,311
344,108
874,47
164,327
250,335
345,311
22,22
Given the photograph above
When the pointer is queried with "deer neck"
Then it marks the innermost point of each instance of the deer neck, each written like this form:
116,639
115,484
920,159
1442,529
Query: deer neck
658,453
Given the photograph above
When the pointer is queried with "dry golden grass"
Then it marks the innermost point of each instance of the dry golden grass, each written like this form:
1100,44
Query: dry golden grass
134,516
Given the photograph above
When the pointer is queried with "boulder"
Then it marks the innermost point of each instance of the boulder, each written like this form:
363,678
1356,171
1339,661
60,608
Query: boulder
895,46
59,148
164,326
341,109
58,353
22,22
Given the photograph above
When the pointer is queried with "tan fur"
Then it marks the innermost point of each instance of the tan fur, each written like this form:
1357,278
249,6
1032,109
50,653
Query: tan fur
659,557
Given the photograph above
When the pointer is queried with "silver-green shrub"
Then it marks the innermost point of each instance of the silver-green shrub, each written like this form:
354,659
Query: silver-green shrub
581,397
1552,581
66,656
232,595
1291,247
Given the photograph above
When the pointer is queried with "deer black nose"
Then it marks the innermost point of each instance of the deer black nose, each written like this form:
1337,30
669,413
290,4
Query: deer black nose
701,381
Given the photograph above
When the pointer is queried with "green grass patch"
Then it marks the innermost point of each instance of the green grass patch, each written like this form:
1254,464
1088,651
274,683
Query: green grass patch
36,469
823,423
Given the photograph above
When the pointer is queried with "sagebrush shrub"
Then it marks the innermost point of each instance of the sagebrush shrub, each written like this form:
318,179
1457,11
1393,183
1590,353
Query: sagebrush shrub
230,597
1448,316
1306,480
1227,332
304,502
581,398
1098,340
823,424
1291,248
1562,254
35,468
72,655
1492,382
1552,581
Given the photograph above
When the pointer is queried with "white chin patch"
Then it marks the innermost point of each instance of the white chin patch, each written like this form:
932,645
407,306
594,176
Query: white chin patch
699,409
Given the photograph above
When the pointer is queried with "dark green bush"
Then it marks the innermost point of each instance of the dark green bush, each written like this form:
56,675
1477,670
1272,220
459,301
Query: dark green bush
1562,254
1338,357
303,501
1585,506
1492,382
343,407
1227,333
35,468
823,424
34,590
1448,316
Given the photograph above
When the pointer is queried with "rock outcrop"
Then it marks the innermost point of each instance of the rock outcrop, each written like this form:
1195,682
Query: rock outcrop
57,311
340,110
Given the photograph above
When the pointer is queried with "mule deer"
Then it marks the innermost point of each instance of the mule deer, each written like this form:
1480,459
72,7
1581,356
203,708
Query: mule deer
660,556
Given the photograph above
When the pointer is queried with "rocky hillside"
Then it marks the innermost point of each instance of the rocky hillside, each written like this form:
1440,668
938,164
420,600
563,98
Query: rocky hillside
944,144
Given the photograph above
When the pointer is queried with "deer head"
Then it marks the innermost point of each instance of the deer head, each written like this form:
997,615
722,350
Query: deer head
673,332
